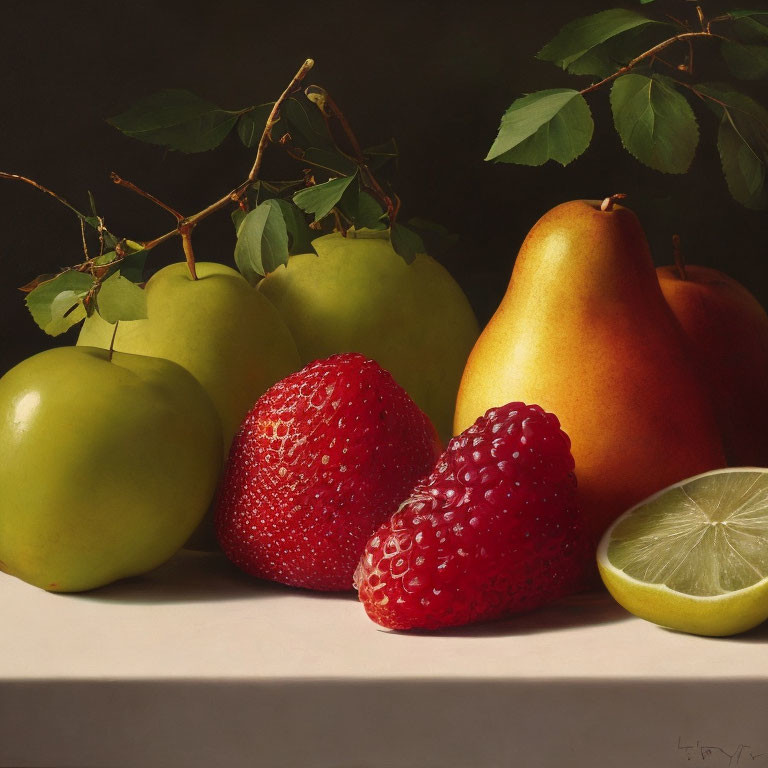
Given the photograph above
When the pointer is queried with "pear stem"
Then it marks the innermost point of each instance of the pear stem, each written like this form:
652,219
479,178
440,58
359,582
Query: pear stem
679,258
112,341
608,203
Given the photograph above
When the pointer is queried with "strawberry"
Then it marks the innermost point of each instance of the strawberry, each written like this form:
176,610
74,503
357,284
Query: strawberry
322,459
494,530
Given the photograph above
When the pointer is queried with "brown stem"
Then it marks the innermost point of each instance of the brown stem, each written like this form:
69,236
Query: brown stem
324,101
608,203
643,56
17,177
237,193
690,57
274,116
130,185
186,240
82,235
702,20
704,95
301,159
329,108
679,258
112,341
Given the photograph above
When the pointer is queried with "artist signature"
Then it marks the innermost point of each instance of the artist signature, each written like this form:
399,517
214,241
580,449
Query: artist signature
741,755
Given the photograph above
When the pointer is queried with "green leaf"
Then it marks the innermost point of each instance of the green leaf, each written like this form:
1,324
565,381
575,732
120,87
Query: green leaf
742,143
323,198
299,234
743,168
262,241
749,26
437,238
132,265
580,37
366,212
237,218
306,124
261,190
109,239
406,242
176,119
749,62
58,304
656,123
548,125
608,57
251,124
332,160
381,154
745,14
121,299
645,2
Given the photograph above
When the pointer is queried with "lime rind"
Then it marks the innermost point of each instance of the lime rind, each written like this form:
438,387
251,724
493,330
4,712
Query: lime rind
694,556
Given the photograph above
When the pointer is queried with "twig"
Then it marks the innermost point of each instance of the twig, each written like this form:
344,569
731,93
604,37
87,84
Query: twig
703,96
329,108
85,244
649,53
236,194
17,177
130,185
320,97
274,115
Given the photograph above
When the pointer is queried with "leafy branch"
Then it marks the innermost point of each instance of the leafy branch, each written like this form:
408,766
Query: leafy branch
651,110
269,217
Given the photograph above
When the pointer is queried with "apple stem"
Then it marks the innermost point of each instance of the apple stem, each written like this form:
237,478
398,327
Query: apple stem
112,341
186,241
679,258
607,204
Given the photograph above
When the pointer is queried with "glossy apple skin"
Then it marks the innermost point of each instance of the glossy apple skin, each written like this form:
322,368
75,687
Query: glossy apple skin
223,331
106,467
357,295
728,330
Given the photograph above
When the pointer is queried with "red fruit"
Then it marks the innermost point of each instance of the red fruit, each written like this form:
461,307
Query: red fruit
494,529
320,461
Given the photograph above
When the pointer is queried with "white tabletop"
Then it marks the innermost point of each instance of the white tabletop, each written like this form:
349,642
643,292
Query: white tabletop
197,664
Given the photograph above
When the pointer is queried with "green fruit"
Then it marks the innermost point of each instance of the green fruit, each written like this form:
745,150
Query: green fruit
358,295
693,556
218,327
106,466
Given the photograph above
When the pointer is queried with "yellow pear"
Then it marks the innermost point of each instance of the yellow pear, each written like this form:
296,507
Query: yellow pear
584,331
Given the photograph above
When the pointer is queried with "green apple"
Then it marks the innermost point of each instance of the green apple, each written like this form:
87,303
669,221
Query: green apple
358,295
218,327
107,465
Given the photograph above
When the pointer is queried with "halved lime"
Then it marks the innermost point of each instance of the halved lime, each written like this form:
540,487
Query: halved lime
694,557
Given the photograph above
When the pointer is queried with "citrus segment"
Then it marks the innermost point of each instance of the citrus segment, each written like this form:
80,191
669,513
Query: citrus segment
694,557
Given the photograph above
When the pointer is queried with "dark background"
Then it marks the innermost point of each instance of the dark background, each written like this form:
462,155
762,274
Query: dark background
435,75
